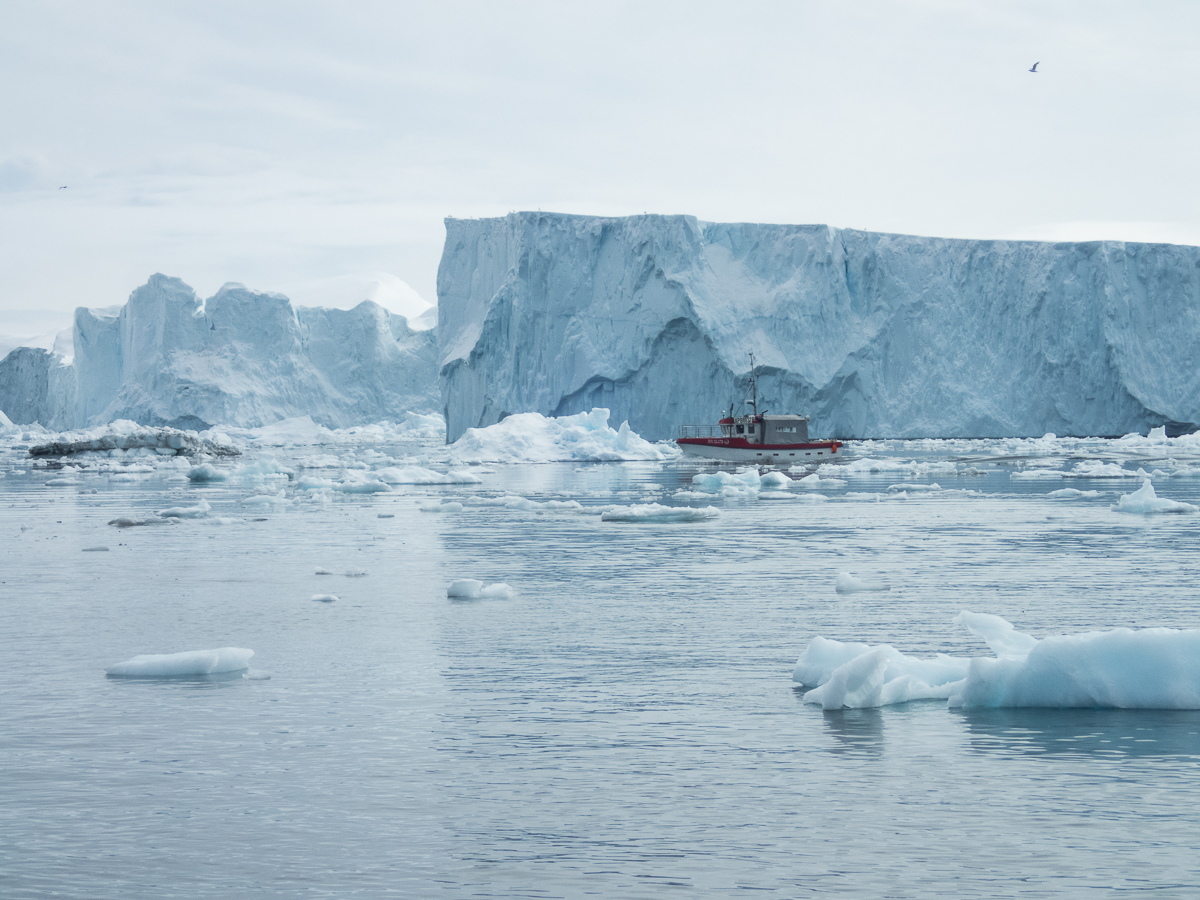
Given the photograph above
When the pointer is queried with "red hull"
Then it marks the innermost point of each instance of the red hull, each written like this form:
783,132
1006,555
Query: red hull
736,443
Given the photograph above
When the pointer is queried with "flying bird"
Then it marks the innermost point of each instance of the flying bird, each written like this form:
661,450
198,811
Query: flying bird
1035,65
62,187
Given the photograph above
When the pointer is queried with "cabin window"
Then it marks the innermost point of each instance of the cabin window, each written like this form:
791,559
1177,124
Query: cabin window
741,429
786,429
752,429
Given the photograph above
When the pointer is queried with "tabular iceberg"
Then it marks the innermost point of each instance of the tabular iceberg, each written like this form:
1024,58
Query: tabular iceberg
240,358
873,335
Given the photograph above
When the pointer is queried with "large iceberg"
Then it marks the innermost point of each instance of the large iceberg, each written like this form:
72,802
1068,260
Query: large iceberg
654,318
239,358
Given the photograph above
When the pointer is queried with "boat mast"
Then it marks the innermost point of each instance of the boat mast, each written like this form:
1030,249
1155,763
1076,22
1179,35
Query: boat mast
753,386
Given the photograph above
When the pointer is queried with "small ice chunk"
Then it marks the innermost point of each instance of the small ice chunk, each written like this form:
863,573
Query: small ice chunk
99,549
654,512
909,486
183,665
473,589
205,472
325,598
773,481
355,573
130,522
199,511
448,506
1073,494
465,589
385,515
847,583
322,571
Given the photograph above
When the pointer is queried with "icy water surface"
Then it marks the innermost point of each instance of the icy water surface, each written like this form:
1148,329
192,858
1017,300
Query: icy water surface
624,726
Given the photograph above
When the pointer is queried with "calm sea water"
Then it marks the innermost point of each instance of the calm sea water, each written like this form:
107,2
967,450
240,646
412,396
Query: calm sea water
624,726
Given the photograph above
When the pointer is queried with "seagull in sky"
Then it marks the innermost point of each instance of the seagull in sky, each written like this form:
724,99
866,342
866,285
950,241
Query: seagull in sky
1035,65
62,187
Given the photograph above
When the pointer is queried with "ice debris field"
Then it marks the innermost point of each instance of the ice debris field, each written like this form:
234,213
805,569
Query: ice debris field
228,477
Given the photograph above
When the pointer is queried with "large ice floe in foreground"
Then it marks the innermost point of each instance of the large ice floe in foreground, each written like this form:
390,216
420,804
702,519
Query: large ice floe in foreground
239,358
653,317
530,437
1153,668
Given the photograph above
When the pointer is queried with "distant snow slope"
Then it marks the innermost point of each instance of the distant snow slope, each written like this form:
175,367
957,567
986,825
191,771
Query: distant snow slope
240,358
871,334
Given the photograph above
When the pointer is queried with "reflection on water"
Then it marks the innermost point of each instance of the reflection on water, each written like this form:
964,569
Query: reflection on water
1085,732
855,730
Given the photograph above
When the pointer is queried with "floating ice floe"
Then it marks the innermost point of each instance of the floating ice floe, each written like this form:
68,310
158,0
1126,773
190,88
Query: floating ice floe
1073,494
188,664
909,486
532,437
419,475
1154,668
448,506
866,466
774,481
654,512
134,522
847,583
815,481
206,472
264,500
473,589
325,598
1145,501
199,511
124,435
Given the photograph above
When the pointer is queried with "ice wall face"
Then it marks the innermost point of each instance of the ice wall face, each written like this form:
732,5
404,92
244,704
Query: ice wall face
36,387
873,335
241,358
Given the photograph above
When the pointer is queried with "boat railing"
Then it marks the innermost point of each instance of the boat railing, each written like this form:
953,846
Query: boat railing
700,431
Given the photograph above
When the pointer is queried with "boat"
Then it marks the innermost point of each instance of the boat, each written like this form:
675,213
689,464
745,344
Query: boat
755,437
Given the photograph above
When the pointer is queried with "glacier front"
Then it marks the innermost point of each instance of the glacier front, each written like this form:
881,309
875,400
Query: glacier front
240,358
872,335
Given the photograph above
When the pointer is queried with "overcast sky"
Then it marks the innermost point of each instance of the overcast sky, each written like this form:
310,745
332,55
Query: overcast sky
272,143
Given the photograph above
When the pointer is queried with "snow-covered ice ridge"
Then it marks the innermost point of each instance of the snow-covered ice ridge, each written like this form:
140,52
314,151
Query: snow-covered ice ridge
873,335
240,358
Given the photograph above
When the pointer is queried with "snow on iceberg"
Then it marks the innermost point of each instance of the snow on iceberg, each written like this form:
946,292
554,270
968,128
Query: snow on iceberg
188,664
532,437
1153,668
1145,501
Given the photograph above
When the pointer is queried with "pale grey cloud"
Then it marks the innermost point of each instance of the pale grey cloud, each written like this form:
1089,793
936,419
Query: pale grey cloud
274,143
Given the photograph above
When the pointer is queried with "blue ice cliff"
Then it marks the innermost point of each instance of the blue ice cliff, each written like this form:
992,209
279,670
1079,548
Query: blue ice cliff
873,335
654,317
239,358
